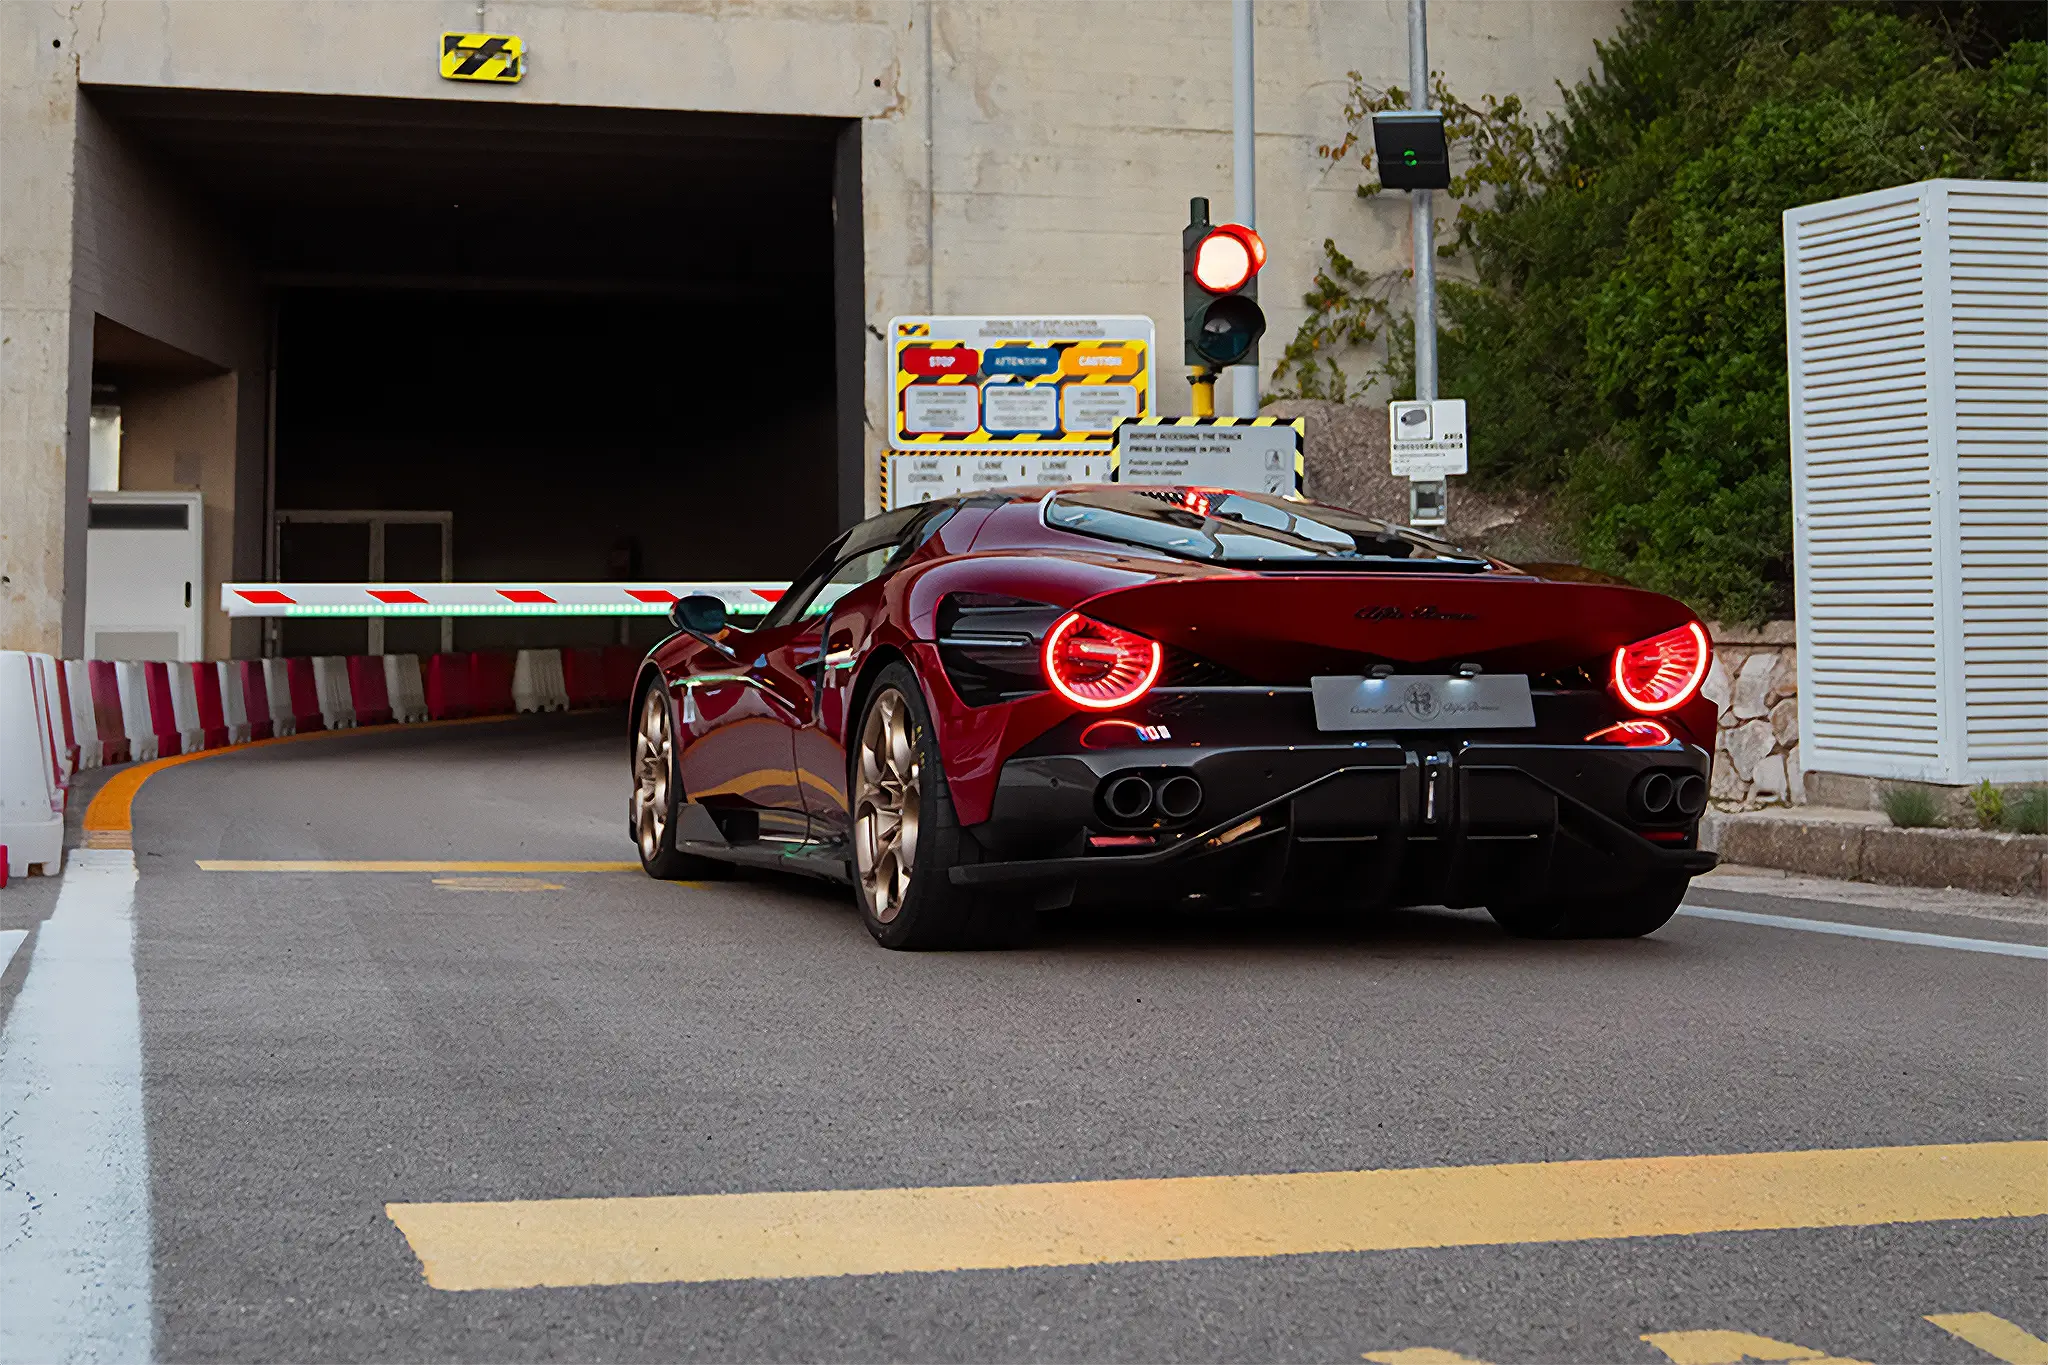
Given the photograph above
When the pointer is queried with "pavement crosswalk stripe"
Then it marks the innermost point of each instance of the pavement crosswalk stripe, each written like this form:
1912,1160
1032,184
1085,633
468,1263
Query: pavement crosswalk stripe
522,1244
1717,1346
1993,1335
402,865
1828,926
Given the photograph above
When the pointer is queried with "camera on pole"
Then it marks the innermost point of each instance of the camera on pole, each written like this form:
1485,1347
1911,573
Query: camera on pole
1410,148
1220,291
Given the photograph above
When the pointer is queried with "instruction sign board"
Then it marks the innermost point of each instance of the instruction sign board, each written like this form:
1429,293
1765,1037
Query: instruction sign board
1427,440
920,478
1017,383
1250,454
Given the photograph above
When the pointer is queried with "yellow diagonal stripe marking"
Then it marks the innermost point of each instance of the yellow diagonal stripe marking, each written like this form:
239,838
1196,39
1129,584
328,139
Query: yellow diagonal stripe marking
401,865
1719,1347
681,1238
1994,1336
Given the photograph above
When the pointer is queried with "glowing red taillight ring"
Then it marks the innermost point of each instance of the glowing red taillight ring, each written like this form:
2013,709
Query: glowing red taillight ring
1663,672
1097,666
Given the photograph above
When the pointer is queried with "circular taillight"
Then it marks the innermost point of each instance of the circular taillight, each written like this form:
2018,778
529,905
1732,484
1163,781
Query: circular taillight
1099,666
1664,671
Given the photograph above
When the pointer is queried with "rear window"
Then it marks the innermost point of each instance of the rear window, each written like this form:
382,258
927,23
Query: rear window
1213,526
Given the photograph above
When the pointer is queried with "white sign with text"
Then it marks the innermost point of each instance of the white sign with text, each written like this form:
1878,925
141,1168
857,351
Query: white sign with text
1426,440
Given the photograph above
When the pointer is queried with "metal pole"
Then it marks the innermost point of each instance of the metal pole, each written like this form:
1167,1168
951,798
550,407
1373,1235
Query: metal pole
376,627
1429,501
1244,383
931,167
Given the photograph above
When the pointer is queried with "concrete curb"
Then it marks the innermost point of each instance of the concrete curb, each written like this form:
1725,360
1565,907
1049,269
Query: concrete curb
1862,846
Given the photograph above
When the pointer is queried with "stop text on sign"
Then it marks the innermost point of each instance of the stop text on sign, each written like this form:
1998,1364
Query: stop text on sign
934,360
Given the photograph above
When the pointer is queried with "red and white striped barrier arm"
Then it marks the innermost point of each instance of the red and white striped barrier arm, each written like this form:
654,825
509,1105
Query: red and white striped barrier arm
486,599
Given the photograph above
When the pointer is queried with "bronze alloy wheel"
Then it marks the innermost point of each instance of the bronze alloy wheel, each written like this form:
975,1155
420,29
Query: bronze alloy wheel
653,765
888,789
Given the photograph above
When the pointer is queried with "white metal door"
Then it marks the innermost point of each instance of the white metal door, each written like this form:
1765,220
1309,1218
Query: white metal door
143,576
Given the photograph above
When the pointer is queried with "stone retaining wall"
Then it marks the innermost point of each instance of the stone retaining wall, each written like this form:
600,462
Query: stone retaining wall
1755,683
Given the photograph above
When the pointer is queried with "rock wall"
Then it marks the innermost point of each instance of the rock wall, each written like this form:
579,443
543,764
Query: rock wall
1755,683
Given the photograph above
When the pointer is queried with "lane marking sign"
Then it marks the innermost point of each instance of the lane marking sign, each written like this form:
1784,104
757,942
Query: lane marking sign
483,57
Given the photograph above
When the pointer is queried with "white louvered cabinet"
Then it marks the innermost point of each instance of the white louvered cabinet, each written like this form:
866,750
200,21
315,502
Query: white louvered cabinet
1917,332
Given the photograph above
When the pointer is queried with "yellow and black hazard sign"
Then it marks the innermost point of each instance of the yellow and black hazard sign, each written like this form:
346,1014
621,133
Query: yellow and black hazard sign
482,57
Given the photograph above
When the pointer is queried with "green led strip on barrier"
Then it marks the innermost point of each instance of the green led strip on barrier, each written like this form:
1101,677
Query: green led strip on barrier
493,609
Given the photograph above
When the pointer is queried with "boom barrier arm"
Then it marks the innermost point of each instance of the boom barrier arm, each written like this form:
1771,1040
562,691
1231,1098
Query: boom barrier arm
487,599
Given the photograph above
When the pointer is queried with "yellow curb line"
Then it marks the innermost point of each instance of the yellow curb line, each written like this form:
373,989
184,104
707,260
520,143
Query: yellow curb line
404,865
109,820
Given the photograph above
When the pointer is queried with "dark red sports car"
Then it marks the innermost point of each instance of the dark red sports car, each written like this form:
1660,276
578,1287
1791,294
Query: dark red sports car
989,705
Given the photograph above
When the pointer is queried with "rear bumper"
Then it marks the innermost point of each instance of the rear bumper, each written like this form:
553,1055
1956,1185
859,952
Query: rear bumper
1454,822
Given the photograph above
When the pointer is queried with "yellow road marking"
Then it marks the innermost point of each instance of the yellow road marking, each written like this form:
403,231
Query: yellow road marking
497,884
1419,1355
1733,1348
402,865
1994,1336
688,1238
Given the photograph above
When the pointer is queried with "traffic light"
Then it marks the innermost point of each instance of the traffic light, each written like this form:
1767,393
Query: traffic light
1220,291
1409,145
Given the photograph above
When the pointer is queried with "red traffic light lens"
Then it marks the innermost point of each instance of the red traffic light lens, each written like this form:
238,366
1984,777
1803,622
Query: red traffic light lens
1228,257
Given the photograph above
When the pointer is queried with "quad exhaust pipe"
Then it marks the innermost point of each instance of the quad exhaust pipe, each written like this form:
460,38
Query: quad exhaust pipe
1133,796
1663,795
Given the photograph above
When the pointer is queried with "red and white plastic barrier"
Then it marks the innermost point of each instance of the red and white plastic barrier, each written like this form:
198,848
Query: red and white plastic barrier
537,681
35,764
404,689
60,716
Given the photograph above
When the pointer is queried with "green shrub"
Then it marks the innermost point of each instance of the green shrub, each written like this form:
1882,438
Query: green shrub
1623,343
2028,812
1989,804
1909,807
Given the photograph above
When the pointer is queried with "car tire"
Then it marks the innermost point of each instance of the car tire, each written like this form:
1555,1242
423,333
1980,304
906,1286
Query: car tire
658,795
1630,914
906,834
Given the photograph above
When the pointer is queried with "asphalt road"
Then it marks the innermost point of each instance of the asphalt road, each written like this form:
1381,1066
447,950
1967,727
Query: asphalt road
318,1045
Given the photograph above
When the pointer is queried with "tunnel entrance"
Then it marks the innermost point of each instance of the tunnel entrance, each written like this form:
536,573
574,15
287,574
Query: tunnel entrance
608,343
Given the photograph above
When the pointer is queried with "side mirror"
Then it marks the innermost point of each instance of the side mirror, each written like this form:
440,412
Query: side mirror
699,614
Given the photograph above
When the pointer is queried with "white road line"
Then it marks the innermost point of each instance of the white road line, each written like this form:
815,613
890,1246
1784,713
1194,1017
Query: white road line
1823,926
10,941
74,1172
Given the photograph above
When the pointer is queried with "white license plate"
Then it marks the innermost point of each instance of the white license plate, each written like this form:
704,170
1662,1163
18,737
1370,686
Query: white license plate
1424,701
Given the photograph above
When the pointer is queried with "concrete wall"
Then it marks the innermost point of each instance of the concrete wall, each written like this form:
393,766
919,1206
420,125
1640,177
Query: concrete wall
42,497
1013,158
148,257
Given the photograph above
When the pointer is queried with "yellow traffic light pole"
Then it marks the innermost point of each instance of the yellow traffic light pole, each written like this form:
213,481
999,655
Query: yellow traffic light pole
1202,381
